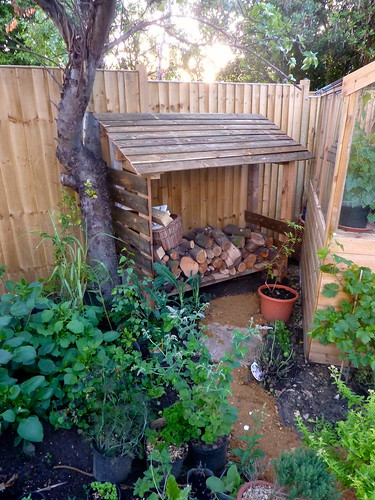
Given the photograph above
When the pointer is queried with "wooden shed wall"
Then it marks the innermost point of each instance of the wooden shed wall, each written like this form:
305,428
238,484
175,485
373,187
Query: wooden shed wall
29,171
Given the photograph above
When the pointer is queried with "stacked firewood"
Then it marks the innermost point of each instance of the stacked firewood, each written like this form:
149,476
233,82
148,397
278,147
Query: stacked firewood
218,253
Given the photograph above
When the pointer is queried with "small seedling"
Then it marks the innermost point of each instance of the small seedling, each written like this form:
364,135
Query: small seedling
104,491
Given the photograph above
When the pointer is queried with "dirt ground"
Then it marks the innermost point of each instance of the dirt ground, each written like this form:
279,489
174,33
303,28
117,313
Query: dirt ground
308,393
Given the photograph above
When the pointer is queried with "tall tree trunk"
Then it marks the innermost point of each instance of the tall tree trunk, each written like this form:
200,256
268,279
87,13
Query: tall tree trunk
85,30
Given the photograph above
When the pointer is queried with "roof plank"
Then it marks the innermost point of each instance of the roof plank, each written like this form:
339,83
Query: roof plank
165,142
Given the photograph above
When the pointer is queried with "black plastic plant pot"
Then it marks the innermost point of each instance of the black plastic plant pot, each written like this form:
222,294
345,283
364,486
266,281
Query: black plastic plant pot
34,495
114,470
196,478
353,217
213,457
93,495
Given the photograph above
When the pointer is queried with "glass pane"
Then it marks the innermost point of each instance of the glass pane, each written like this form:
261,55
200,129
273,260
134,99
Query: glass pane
358,204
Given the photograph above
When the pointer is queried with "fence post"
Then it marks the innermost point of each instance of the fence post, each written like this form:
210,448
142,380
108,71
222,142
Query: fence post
300,196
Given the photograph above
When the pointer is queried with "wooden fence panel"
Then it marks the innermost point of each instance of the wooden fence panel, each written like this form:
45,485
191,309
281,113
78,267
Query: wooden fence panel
29,170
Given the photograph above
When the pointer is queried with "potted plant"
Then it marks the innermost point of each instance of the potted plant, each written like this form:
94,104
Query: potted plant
359,189
173,436
276,300
117,428
206,408
103,490
227,485
299,474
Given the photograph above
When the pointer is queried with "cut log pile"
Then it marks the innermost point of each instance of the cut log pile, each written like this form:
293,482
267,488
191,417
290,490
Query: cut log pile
216,253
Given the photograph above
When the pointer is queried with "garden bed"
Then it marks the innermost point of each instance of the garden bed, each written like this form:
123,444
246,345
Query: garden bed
309,393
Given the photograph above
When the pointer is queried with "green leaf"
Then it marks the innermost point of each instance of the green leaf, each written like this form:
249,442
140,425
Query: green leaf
47,366
47,315
215,484
8,416
76,326
172,489
32,384
31,429
59,325
5,356
14,342
14,392
330,290
111,336
24,354
70,379
5,320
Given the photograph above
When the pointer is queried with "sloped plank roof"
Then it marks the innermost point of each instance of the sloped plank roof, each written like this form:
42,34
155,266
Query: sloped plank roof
165,142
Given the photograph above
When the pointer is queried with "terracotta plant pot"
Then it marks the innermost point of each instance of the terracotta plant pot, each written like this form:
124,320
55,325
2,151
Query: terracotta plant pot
252,484
273,308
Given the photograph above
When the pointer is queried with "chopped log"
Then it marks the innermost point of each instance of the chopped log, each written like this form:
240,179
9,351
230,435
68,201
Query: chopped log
190,236
258,239
232,270
250,261
228,261
250,246
224,270
198,253
174,254
204,241
263,252
224,255
241,267
187,243
210,253
269,242
232,229
237,261
211,268
159,252
260,265
203,267
217,250
208,260
233,252
189,266
165,258
221,239
161,217
244,253
238,241
217,262
174,266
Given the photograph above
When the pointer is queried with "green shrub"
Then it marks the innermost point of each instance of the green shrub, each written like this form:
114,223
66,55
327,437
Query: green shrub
348,446
305,475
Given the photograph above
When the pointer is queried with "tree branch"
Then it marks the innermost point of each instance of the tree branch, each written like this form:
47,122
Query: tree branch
137,27
60,18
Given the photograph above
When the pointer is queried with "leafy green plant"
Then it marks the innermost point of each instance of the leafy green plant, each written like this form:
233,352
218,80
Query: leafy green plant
228,483
283,251
304,475
360,178
275,354
119,419
348,446
46,349
251,456
204,390
176,431
351,326
157,482
104,490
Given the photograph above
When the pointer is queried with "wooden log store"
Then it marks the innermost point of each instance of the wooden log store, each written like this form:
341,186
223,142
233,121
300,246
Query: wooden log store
203,167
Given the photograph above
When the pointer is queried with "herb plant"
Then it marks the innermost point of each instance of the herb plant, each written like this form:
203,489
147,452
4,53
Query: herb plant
250,457
351,326
229,483
348,446
304,475
104,490
275,354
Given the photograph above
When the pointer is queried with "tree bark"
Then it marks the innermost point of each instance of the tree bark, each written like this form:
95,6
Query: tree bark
83,170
